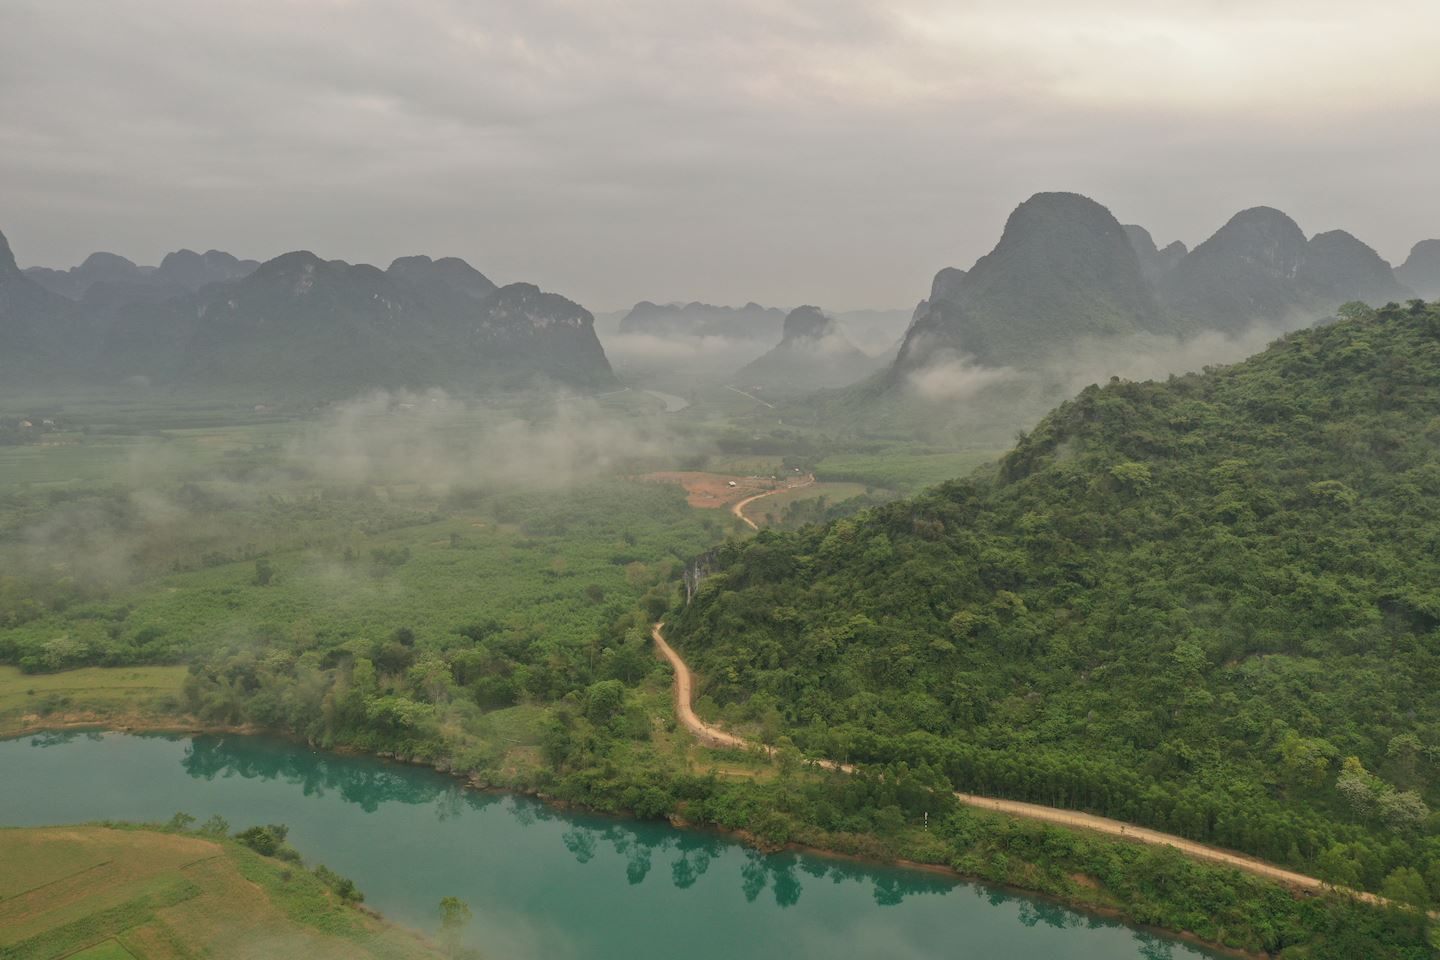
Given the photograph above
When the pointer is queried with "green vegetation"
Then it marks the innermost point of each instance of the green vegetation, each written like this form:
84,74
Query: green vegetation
1205,605
1184,604
121,892
906,472
136,692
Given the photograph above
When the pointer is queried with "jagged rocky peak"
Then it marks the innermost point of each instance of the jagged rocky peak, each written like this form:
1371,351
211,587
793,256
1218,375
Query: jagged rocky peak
451,271
1266,237
524,304
1421,270
186,268
104,267
807,323
296,263
1155,262
7,259
1171,254
696,319
1337,261
946,283
1064,269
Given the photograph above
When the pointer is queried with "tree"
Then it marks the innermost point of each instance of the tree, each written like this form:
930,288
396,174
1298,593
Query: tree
454,915
180,822
1405,885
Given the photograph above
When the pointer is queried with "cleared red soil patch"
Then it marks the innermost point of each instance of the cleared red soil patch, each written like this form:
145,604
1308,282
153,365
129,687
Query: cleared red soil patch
713,490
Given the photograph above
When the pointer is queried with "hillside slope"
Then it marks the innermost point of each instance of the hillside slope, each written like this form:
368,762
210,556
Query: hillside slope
1206,605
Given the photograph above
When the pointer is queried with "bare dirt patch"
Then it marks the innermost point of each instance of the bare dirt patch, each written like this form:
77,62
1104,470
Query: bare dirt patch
713,490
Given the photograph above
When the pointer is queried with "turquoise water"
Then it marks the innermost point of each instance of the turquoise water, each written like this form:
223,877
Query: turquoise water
546,885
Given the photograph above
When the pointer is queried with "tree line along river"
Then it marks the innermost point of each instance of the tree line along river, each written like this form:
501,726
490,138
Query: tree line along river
544,883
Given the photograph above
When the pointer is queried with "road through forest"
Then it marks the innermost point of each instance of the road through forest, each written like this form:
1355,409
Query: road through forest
715,737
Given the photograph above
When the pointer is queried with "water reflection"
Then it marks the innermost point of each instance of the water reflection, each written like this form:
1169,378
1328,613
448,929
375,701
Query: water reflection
58,738
370,783
547,883
363,782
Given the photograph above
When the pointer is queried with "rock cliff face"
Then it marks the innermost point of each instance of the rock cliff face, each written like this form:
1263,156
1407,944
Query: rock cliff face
1260,267
325,326
813,353
1064,268
1421,270
35,325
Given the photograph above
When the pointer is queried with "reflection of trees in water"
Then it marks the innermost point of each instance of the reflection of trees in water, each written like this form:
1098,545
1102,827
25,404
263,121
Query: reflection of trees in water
1153,948
58,738
364,782
692,852
1034,912
696,850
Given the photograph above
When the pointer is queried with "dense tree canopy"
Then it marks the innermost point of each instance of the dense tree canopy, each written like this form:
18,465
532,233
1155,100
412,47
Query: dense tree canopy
1208,604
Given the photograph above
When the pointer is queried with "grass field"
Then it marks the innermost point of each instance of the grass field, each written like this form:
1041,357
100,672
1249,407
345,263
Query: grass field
905,473
773,505
102,893
102,691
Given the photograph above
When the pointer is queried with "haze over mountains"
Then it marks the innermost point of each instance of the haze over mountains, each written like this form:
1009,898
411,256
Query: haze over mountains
813,353
1065,276
294,321
695,319
1421,270
1065,270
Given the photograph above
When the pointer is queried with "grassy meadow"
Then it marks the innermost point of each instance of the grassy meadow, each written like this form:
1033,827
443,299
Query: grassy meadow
102,893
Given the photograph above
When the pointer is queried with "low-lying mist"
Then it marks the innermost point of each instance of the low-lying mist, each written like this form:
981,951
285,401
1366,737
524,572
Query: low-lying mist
374,462
955,397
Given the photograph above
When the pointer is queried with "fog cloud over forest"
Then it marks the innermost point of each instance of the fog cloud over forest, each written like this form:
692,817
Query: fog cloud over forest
440,442
1011,398
161,507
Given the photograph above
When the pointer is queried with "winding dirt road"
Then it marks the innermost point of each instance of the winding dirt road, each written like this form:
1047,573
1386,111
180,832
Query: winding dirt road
715,737
739,508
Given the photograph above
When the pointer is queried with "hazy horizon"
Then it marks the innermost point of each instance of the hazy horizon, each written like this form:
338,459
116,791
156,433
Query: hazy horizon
786,153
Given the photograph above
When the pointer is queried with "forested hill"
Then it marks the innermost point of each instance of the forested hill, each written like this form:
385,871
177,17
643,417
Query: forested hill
1210,605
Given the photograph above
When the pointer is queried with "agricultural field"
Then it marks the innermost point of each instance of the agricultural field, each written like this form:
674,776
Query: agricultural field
105,893
903,472
137,694
775,506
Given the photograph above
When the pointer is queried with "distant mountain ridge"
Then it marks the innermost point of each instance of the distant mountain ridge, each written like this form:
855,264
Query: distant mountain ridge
813,353
211,319
183,269
1421,270
1064,265
1065,269
696,319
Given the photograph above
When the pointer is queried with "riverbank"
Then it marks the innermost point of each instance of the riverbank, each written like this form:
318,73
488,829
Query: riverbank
1070,885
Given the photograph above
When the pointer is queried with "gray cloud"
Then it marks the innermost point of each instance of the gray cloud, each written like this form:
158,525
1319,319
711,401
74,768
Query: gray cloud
785,151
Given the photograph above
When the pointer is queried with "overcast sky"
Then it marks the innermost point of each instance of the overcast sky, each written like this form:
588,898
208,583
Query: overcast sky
835,152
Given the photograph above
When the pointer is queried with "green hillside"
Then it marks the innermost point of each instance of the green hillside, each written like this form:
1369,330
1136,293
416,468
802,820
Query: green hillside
1208,605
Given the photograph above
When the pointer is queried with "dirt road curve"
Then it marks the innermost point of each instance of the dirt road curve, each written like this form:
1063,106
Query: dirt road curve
739,508
714,736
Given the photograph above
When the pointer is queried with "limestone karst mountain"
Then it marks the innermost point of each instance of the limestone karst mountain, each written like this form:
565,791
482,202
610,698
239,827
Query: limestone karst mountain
813,353
296,321
1421,270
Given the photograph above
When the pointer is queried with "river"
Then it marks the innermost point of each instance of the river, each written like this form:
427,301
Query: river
544,883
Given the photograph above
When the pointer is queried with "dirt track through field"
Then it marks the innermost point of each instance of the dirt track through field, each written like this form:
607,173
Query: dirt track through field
739,508
715,737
